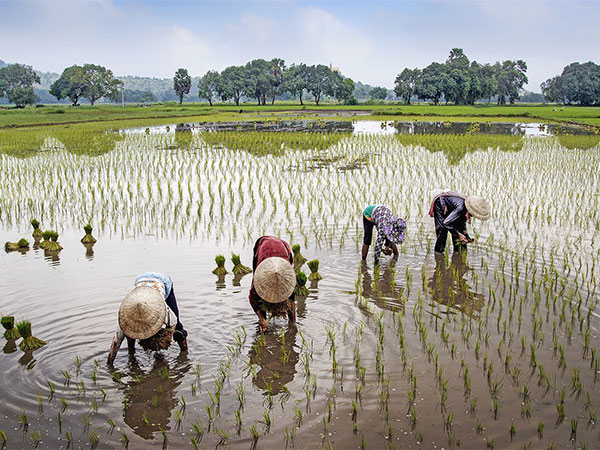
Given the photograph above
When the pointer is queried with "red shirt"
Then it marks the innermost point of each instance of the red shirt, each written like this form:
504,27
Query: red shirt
267,247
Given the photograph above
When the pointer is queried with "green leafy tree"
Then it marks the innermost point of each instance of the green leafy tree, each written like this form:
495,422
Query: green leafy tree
99,82
580,83
232,83
489,84
405,83
295,80
432,82
511,79
16,83
378,93
459,79
89,81
207,87
321,80
71,85
552,90
182,83
344,89
276,78
258,80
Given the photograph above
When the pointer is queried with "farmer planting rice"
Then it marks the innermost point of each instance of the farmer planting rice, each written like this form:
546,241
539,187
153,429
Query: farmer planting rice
274,280
451,212
390,231
143,312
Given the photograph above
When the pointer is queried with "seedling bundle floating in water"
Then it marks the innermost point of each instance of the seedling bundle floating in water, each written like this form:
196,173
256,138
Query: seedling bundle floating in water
238,267
37,233
11,246
88,238
53,245
313,265
29,342
299,260
8,322
220,269
46,235
301,290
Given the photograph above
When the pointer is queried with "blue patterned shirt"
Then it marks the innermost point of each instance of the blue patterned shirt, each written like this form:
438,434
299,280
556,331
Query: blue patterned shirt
389,227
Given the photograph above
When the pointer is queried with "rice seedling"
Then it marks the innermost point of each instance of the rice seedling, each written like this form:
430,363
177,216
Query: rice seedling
8,322
37,233
238,267
20,245
29,342
88,238
220,269
298,259
313,265
23,420
301,290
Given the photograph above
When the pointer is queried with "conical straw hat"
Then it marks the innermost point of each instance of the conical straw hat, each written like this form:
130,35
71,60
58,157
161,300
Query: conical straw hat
477,207
142,313
274,279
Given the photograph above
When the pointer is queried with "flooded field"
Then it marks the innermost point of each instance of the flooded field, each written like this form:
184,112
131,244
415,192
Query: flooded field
497,347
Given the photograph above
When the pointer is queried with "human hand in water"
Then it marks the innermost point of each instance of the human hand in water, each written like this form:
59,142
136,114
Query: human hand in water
464,239
262,324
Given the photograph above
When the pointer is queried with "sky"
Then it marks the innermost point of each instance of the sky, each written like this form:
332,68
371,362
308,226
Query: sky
369,41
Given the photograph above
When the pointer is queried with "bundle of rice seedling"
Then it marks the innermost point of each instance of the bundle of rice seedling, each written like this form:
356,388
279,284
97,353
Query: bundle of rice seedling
37,233
88,238
29,342
160,341
53,245
8,322
238,267
276,309
220,269
301,290
314,270
46,235
10,246
299,260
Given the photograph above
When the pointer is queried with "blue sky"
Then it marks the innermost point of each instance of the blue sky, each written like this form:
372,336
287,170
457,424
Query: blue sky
370,41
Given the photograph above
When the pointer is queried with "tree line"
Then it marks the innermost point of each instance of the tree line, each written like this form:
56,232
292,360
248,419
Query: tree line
265,80
457,80
463,82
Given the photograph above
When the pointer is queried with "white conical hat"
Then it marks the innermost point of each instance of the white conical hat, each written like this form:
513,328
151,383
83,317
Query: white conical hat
274,279
142,313
477,207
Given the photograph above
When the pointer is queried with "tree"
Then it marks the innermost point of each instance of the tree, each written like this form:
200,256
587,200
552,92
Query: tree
552,90
258,80
16,83
232,83
580,83
432,82
207,87
99,82
295,80
511,78
404,85
378,93
88,81
459,79
276,76
321,80
489,84
344,89
182,83
69,85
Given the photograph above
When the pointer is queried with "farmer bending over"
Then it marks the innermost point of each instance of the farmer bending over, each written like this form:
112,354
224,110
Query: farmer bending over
451,212
148,306
390,231
273,281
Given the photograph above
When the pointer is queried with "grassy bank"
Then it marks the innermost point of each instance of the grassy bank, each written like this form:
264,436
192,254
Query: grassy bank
165,113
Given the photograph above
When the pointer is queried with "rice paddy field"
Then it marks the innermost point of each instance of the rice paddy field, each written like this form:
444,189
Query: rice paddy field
497,347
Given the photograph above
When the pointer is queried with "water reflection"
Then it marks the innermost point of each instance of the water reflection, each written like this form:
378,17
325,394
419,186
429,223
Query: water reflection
448,286
150,397
27,360
382,287
10,346
89,251
276,355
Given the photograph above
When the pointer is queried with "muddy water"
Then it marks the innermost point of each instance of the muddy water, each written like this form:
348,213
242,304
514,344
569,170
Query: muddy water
429,350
